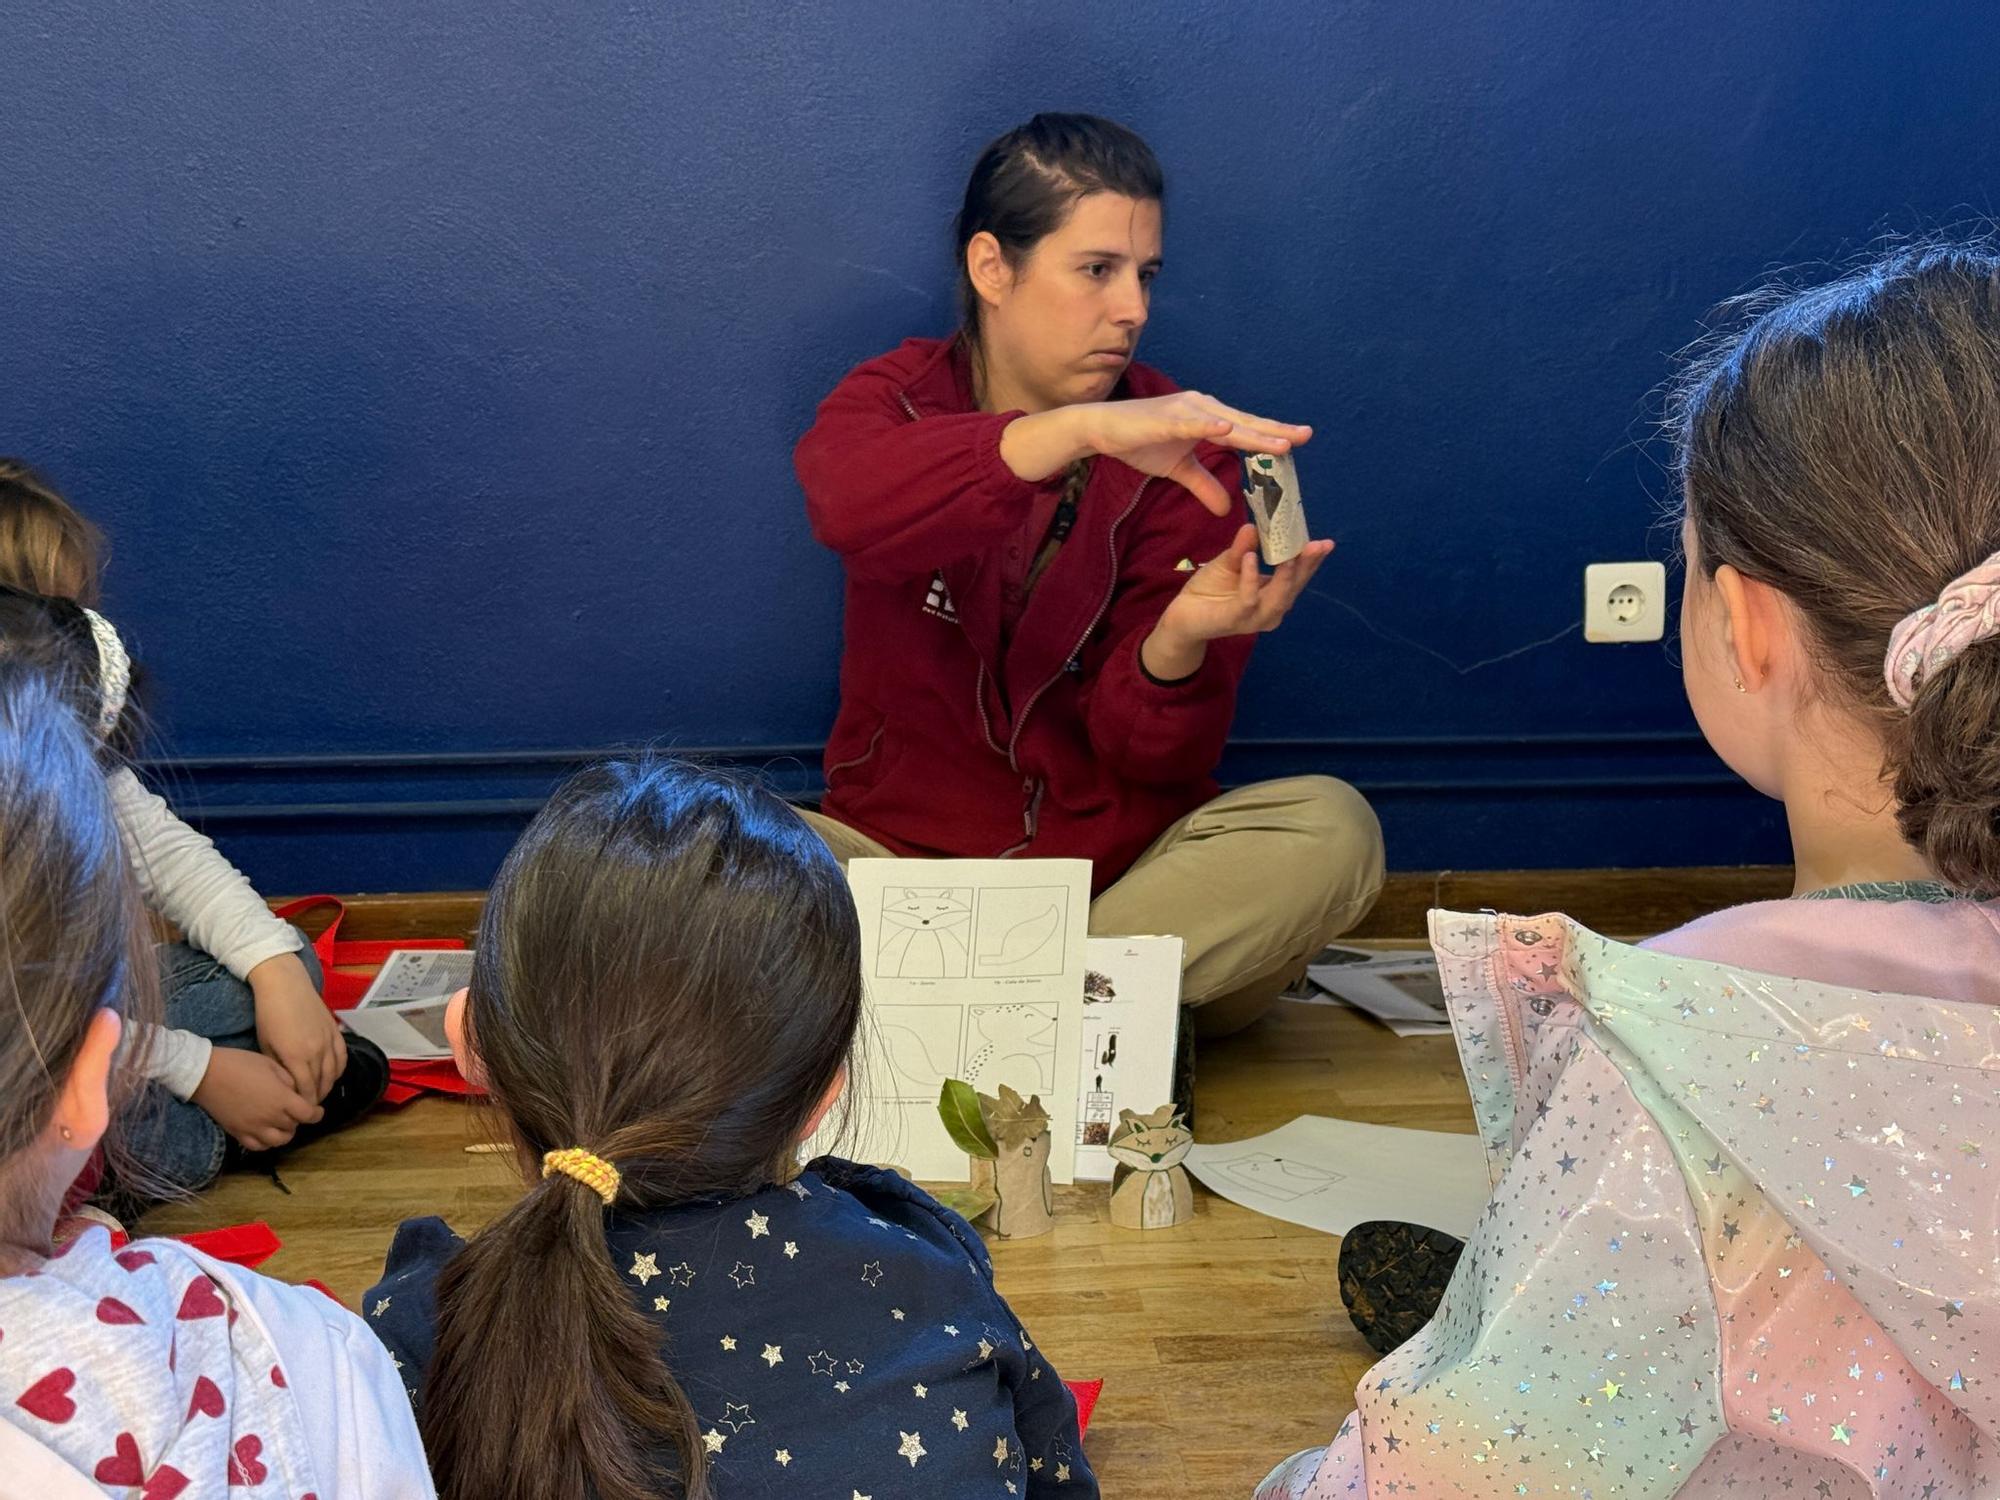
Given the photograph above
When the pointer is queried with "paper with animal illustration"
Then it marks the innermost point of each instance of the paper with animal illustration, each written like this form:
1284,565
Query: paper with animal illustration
419,974
973,970
1131,1024
1333,1174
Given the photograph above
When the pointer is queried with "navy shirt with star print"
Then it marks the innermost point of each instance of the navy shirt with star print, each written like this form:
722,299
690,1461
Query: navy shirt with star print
839,1335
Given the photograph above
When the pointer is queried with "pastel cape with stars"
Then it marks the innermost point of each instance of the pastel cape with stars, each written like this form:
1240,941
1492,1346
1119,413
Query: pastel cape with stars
1744,1239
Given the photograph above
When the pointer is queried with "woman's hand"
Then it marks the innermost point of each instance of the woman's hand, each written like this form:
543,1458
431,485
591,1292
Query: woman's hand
294,1027
1229,595
1155,436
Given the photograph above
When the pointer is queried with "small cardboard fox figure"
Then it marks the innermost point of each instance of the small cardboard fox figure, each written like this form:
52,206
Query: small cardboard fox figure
1007,1142
1150,1188
1020,1171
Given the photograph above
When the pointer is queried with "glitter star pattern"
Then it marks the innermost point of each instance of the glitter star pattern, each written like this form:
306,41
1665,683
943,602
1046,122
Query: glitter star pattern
1670,1168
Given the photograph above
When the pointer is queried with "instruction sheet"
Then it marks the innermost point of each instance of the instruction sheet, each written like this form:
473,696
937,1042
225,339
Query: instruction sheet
1333,1174
419,974
403,1009
974,970
1131,1024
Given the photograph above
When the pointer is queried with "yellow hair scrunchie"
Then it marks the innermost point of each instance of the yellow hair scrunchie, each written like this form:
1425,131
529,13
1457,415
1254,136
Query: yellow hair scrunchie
594,1172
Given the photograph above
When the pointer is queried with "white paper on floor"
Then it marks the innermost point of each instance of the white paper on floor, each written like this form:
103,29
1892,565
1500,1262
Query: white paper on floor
1401,990
418,974
1333,1174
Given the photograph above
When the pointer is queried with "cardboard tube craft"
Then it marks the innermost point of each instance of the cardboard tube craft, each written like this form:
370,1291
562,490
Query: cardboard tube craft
1007,1140
1150,1187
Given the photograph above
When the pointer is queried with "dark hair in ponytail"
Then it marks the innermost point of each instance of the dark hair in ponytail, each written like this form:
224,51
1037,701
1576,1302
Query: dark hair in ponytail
1842,445
1026,182
668,976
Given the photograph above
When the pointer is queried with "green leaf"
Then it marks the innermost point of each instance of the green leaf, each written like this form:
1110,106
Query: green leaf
967,1202
958,1107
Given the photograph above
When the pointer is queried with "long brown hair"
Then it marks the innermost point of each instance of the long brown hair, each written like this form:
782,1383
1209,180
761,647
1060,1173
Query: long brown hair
668,975
46,545
1842,444
73,934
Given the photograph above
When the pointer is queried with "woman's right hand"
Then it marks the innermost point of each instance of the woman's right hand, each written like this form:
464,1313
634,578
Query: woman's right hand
1155,436
252,1098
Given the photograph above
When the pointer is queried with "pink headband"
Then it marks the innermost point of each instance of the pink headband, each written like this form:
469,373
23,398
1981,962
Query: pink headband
1930,638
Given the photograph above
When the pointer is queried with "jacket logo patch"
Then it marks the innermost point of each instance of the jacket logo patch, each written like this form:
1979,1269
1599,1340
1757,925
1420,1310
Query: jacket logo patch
938,601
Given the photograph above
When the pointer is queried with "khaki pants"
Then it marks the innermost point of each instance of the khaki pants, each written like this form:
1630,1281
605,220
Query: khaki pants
1255,882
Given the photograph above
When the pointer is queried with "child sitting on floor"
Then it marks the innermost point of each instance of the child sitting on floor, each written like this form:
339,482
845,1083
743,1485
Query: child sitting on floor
666,993
154,1370
251,1056
1840,460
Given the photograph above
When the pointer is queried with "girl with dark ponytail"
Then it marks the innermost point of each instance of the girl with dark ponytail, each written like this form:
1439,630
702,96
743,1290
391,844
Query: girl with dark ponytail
667,988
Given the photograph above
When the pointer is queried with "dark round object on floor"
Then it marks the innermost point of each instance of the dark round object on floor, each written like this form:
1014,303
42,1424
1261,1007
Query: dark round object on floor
1392,1277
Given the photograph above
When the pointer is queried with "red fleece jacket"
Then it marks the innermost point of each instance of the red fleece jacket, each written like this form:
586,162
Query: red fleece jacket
1060,745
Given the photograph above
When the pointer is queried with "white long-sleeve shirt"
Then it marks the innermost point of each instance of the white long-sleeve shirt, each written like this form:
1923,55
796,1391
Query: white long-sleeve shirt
188,881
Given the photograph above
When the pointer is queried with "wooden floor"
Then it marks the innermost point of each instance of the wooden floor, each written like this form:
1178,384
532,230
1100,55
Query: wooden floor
1222,1344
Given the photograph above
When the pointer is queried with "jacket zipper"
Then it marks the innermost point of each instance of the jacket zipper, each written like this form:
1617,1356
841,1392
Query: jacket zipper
986,724
1031,788
1510,1020
979,689
1032,812
862,758
1111,545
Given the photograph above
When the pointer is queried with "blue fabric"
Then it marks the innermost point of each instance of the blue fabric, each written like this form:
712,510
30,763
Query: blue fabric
839,1335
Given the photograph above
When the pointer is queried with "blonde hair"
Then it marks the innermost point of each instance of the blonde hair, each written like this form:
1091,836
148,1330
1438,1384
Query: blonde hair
46,546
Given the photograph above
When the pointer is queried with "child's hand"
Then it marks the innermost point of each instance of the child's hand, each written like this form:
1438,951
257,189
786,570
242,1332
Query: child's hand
294,1027
252,1098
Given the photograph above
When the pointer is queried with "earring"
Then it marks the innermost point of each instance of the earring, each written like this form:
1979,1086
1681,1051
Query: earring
1740,687
65,1131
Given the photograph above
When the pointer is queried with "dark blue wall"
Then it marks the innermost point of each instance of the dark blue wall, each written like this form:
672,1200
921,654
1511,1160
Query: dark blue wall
435,368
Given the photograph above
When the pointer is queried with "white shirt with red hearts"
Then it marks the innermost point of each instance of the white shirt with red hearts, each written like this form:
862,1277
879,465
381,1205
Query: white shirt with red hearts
156,1372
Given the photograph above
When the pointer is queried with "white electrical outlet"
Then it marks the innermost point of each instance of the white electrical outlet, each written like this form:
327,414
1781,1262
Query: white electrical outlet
1624,601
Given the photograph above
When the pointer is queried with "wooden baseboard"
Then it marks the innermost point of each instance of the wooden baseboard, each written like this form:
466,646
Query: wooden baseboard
1618,903
402,914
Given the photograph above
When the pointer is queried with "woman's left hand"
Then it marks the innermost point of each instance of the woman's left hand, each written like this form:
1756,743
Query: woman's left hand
1229,595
